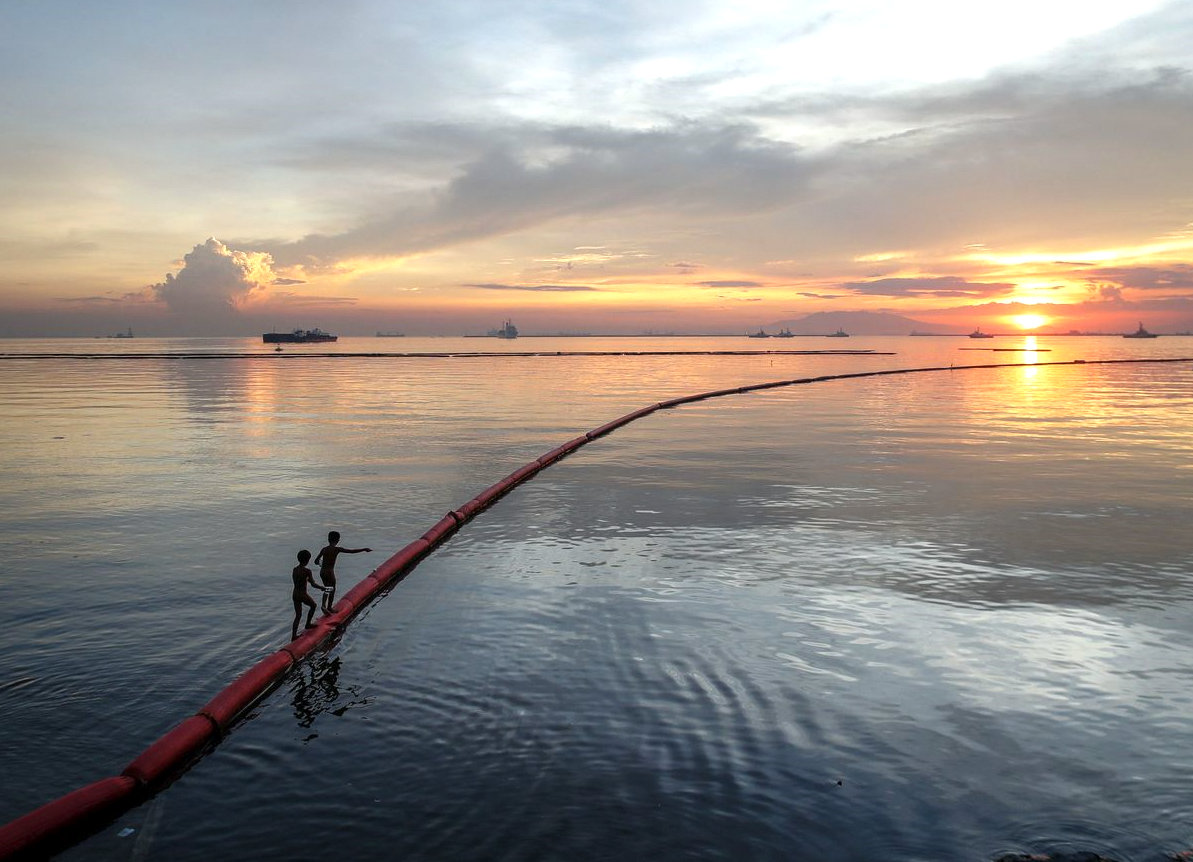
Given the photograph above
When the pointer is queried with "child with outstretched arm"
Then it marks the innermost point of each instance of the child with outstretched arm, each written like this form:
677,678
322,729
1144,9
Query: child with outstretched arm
326,561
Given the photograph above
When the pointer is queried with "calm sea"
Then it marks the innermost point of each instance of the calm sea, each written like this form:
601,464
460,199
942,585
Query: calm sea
937,616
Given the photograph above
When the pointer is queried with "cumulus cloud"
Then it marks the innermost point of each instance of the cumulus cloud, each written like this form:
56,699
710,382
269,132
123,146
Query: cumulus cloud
1105,293
215,281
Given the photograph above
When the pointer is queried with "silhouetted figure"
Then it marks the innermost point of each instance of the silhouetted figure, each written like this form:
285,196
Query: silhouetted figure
326,561
302,576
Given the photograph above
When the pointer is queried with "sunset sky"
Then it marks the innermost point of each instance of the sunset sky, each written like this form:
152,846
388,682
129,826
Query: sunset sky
616,166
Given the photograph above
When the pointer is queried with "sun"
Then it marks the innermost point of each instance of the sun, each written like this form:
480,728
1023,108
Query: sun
1029,321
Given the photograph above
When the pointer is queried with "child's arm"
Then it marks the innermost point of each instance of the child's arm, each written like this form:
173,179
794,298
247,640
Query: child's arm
311,581
319,556
357,550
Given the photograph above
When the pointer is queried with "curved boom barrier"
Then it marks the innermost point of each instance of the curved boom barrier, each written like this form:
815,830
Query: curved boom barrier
70,818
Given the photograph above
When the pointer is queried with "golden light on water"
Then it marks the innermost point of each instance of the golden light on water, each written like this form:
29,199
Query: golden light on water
1031,356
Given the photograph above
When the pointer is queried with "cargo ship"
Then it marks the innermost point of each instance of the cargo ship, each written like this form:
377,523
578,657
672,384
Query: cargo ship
299,336
508,330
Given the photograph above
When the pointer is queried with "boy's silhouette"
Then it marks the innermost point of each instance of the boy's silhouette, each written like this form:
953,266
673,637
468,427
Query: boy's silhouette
326,561
302,576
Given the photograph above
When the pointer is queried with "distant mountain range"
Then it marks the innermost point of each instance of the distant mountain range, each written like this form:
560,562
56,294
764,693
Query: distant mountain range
860,323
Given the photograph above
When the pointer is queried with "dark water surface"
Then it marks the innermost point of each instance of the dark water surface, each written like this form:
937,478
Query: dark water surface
922,617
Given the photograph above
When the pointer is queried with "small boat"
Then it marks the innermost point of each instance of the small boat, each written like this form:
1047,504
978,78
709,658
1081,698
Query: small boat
758,334
1141,333
977,333
299,336
840,333
784,333
128,334
508,330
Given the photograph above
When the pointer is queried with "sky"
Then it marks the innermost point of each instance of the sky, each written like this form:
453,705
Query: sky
620,166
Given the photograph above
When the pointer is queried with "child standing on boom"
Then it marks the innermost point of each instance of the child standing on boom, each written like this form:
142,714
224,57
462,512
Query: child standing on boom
326,561
302,576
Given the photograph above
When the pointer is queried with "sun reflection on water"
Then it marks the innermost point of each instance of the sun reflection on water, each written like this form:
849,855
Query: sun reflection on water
1030,356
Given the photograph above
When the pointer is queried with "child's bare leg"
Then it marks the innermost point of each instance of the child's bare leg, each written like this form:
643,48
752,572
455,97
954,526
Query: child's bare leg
310,611
297,617
329,599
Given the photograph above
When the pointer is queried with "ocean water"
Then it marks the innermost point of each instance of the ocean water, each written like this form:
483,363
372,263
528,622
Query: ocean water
936,616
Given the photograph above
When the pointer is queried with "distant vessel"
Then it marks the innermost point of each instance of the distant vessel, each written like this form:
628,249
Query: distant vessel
758,334
299,336
1141,333
508,330
977,333
784,333
391,334
840,333
128,334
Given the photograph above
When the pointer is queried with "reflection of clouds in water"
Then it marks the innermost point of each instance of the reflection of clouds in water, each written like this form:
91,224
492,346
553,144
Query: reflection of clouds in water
814,497
803,665
957,539
877,586
214,389
1062,660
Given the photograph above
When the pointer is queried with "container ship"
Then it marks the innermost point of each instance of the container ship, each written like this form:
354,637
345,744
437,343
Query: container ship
299,336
